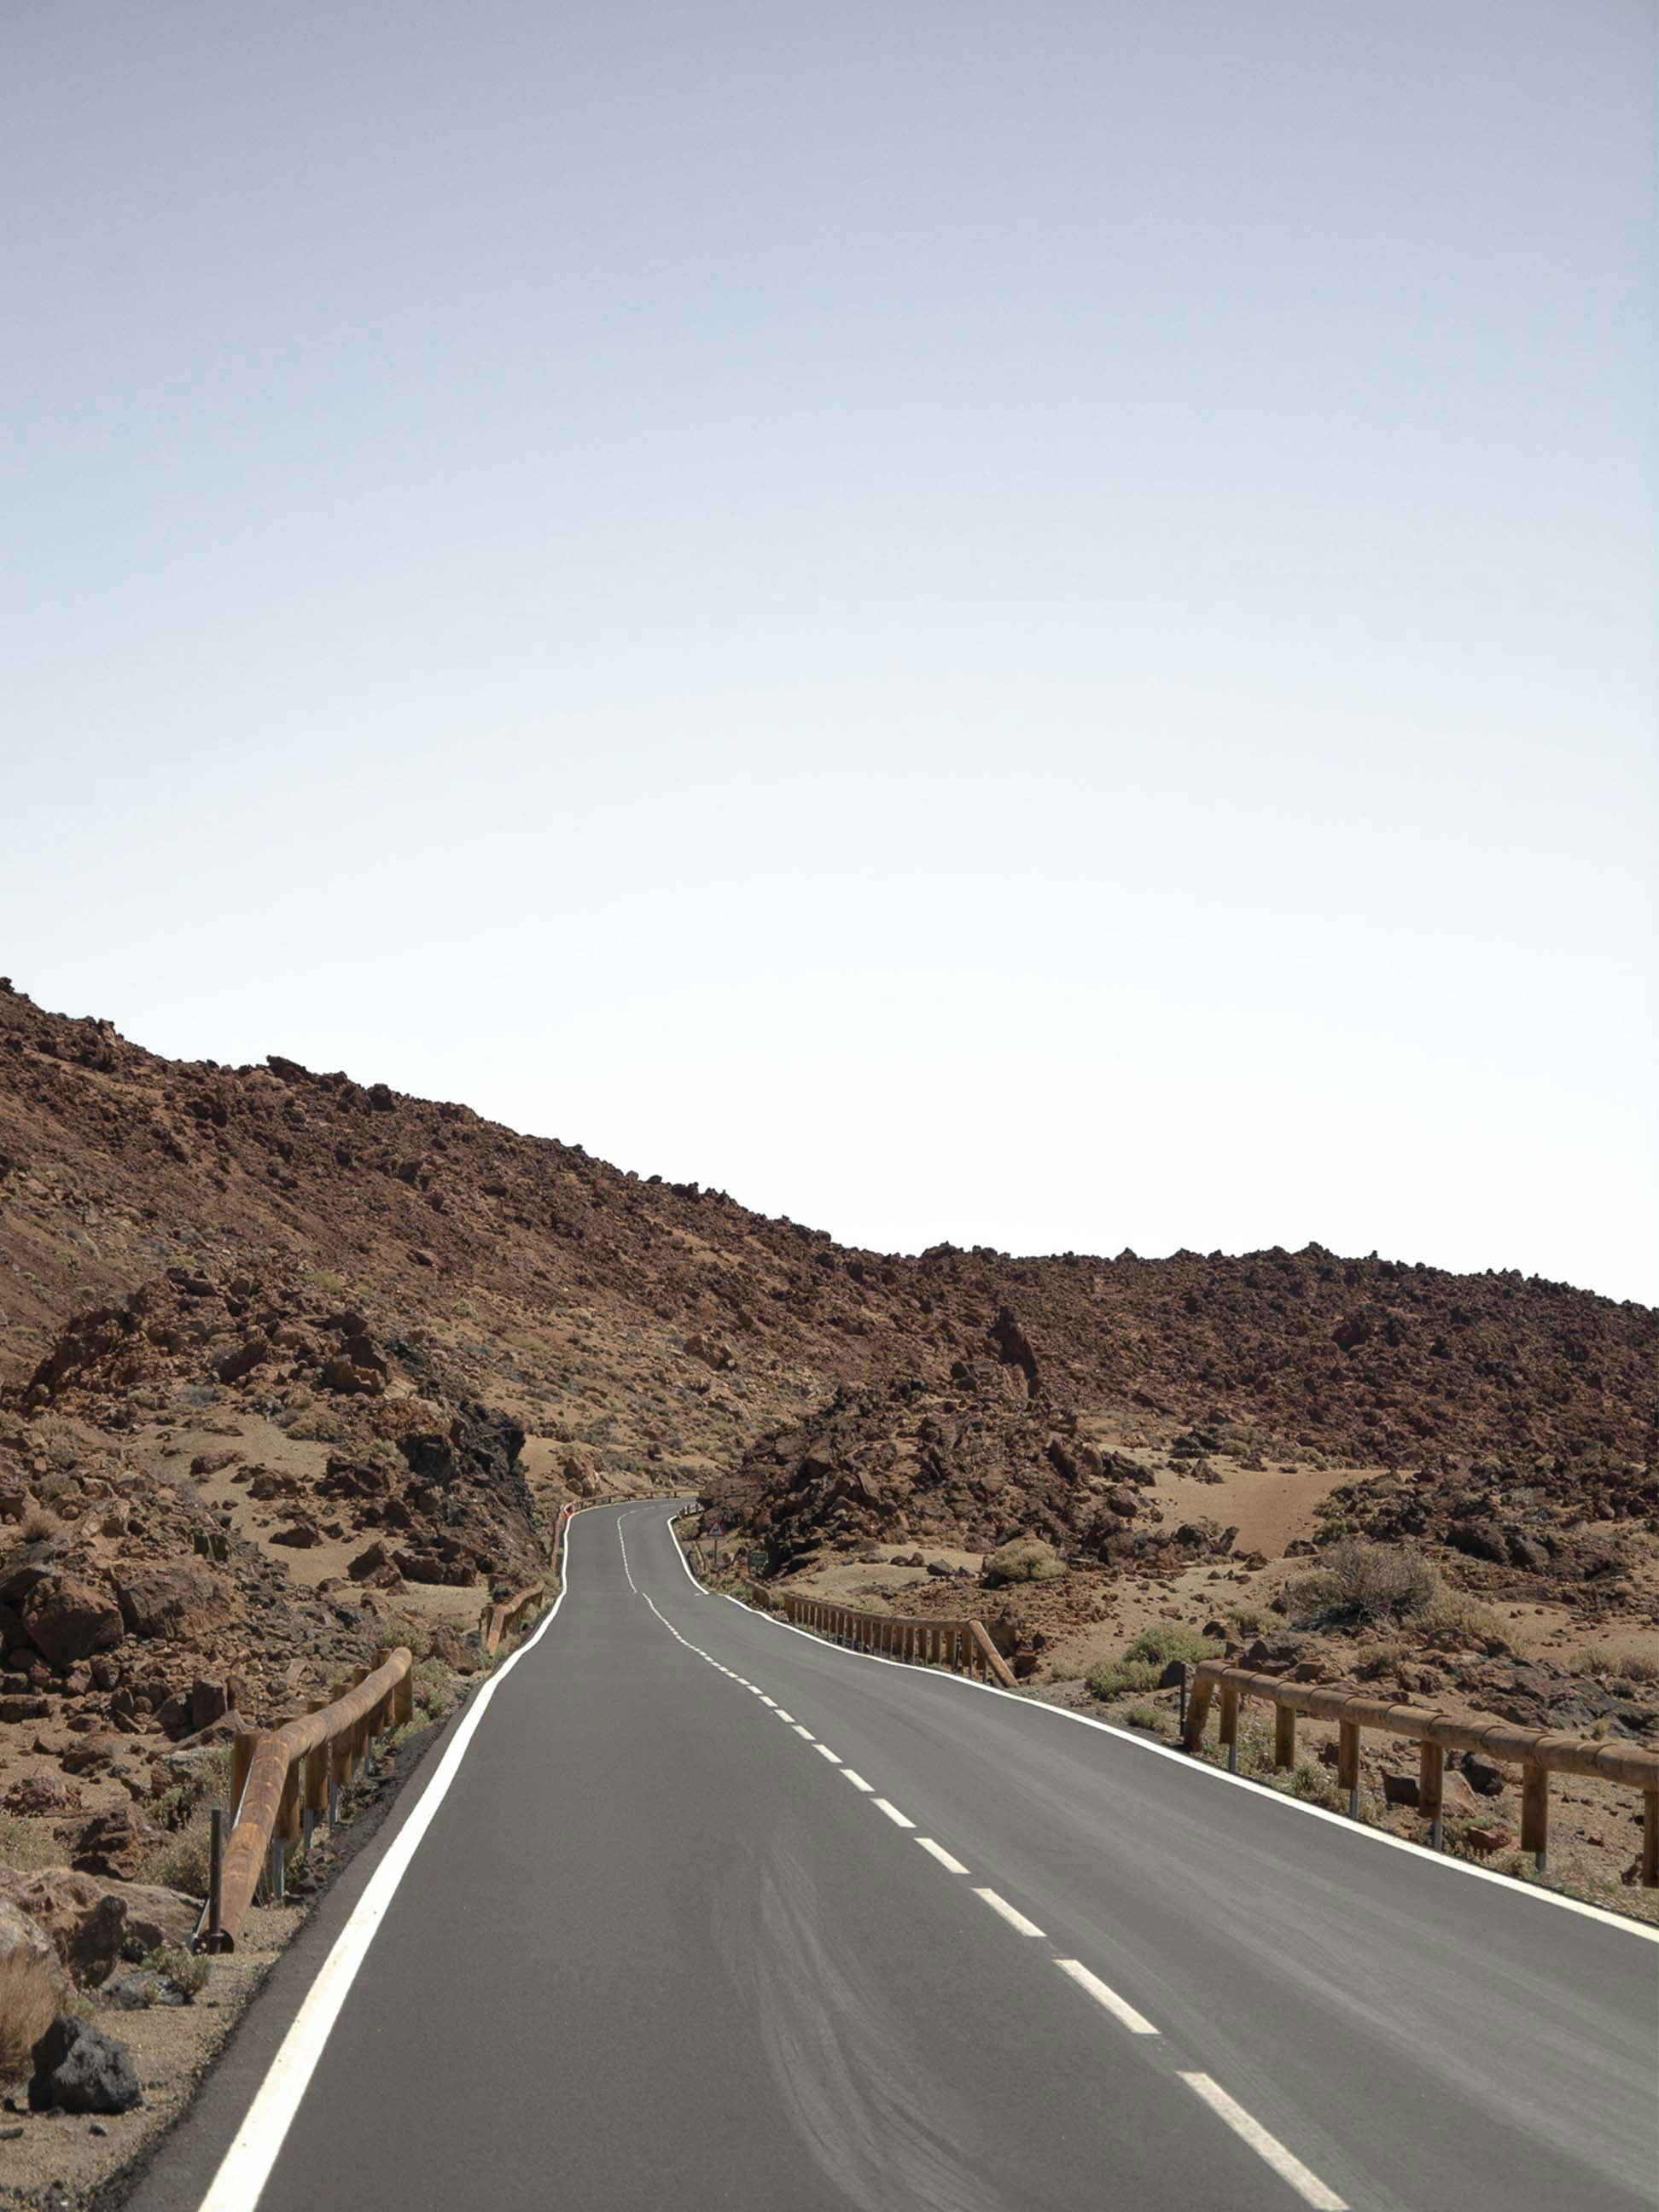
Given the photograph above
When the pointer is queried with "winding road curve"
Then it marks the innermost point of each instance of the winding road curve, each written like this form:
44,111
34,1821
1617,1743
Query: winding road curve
717,1915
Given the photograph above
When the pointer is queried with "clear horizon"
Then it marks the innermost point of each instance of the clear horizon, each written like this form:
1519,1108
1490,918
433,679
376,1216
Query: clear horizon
1025,632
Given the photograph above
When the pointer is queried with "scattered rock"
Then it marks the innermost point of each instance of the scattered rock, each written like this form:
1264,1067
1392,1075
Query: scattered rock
80,2067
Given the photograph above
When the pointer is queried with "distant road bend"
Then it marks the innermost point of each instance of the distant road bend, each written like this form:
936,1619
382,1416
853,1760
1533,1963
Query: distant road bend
718,1914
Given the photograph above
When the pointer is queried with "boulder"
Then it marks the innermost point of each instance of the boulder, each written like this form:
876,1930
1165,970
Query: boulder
41,1792
177,1597
68,1619
25,1709
94,1921
80,2067
232,1366
113,1841
1482,1776
300,1535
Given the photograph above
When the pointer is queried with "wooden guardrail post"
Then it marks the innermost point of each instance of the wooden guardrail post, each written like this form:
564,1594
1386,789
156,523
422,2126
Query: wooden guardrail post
1230,1724
1347,1764
241,1757
1535,1813
1198,1708
1538,1753
1432,1789
1284,1736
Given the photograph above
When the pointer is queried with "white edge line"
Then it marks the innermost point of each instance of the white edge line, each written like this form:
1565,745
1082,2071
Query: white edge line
1015,1918
939,1851
1285,2163
1119,2007
246,2167
899,1819
1355,1829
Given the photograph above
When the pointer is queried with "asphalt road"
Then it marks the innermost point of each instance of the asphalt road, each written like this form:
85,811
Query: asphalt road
656,1946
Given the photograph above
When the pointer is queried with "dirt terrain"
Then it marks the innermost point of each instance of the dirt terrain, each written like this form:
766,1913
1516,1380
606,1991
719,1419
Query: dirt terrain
293,1367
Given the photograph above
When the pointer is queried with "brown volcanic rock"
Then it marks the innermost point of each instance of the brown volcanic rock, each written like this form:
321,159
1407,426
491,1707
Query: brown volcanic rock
68,1618
216,1215
970,1470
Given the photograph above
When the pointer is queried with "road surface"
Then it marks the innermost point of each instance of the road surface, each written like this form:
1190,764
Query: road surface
709,1913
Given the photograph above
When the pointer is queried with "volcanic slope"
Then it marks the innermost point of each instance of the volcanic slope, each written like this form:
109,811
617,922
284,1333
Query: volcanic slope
659,1329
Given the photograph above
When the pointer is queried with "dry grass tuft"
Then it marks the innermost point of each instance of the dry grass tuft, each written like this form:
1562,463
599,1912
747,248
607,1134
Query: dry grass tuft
29,2002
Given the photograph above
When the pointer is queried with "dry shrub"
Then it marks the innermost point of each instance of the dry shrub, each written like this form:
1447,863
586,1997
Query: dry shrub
29,2002
1630,1666
1359,1582
39,1525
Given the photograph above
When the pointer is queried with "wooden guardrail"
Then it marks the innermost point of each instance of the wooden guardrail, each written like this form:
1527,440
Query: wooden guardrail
965,1646
282,1779
1538,1753
499,1620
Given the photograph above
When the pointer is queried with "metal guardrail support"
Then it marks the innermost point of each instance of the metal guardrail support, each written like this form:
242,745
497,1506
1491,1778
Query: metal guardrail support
1539,1752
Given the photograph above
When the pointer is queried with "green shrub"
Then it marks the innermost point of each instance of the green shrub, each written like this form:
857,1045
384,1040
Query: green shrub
1116,1678
1356,1581
188,1971
1170,1641
433,1689
1453,1617
1026,1559
1148,1717
24,1846
182,1862
403,1628
1314,1784
1141,1667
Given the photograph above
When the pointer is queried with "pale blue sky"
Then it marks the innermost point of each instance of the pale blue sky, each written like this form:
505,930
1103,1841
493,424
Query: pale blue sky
1024,624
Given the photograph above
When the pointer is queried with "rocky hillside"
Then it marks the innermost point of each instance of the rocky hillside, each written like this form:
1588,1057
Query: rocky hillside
663,1326
289,1362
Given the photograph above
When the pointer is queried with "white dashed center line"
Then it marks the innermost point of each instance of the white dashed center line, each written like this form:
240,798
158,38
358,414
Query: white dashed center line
1288,2167
1119,2007
1249,2130
937,1851
1015,1920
